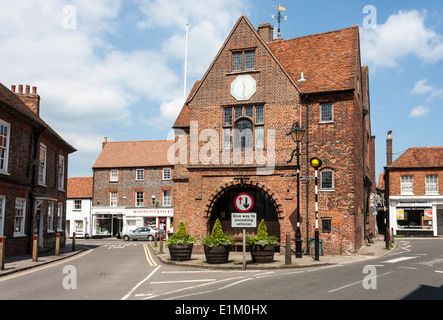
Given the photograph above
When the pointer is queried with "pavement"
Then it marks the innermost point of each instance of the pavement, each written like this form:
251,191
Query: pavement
21,263
235,260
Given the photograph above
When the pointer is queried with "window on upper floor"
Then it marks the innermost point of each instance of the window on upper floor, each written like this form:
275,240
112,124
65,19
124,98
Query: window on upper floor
243,60
139,174
61,172
327,180
407,184
113,175
432,184
166,198
42,165
326,112
5,133
113,198
77,204
139,198
166,174
243,127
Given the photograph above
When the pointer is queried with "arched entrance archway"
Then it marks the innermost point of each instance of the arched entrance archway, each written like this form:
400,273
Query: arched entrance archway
266,206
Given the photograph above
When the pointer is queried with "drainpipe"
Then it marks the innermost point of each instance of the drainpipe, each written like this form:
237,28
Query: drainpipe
31,207
365,112
307,175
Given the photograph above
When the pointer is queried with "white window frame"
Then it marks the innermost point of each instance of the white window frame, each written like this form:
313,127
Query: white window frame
166,198
22,210
113,202
61,172
77,204
407,184
113,175
167,174
137,203
60,217
5,149
51,217
2,214
139,174
43,153
322,188
431,181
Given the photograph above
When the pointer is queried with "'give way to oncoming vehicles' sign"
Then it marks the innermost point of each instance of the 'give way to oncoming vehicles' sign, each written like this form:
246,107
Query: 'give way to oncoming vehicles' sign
244,220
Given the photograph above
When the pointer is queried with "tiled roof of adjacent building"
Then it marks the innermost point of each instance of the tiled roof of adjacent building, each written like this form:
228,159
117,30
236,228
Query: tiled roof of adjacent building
79,188
125,154
420,157
14,104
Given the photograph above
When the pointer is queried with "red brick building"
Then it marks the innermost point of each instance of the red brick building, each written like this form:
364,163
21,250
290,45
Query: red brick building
132,187
414,194
33,173
231,136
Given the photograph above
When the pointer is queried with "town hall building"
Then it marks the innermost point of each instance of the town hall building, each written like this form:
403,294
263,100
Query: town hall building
231,137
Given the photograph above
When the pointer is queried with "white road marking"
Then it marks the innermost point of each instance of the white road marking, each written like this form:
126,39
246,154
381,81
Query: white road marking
182,281
357,282
140,283
399,259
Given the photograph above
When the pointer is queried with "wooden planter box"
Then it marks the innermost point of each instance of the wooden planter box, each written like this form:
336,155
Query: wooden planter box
180,252
217,254
261,254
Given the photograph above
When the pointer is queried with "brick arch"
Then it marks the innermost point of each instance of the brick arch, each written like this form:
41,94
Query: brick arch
243,184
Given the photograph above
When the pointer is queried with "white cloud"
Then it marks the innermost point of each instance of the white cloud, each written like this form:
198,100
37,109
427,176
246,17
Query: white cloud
86,81
421,87
419,111
403,34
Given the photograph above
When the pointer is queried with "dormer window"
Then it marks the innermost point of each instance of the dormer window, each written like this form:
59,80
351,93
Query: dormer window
243,60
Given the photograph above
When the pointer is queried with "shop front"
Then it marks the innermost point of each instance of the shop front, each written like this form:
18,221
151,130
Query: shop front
160,218
419,218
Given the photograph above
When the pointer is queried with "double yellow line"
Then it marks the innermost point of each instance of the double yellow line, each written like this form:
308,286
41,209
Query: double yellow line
148,255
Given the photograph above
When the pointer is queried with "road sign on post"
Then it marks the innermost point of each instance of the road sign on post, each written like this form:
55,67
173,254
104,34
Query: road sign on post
244,202
244,219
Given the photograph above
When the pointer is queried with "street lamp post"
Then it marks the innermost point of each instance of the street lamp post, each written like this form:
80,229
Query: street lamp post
296,134
316,163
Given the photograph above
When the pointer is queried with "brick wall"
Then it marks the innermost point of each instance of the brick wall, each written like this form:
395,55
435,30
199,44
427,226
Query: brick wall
419,180
339,144
127,185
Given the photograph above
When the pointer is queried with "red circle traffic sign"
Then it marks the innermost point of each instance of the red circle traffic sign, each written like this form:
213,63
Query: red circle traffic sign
244,202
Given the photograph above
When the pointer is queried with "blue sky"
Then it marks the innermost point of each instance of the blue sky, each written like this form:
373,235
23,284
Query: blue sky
115,68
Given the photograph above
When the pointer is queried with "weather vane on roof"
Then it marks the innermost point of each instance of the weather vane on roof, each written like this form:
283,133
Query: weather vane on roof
279,17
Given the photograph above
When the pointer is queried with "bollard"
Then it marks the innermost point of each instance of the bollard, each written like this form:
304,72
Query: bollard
35,249
73,241
288,257
155,240
161,245
2,253
57,244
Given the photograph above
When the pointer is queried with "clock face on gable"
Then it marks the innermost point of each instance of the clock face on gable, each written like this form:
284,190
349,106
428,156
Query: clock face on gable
243,87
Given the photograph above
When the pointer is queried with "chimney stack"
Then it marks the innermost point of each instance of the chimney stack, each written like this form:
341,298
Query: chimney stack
389,149
105,141
266,32
32,100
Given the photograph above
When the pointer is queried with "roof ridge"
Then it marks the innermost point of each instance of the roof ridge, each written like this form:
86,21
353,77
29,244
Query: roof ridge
315,34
